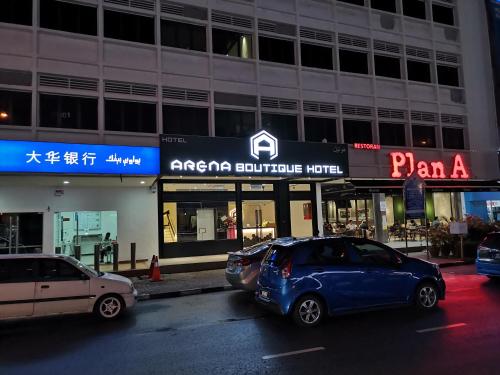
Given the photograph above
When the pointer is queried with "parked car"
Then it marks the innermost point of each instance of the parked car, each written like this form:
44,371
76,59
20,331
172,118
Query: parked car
488,256
243,267
316,277
40,285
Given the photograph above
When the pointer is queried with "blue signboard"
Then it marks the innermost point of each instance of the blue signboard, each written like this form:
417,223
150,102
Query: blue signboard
414,197
72,158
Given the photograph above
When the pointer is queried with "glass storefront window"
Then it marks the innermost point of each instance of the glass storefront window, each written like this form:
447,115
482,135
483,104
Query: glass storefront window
199,221
257,187
301,218
299,187
259,221
442,206
202,186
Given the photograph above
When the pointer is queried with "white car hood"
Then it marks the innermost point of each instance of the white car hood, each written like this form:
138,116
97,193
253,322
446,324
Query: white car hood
112,276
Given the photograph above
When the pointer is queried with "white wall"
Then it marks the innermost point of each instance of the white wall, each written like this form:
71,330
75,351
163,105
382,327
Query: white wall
136,207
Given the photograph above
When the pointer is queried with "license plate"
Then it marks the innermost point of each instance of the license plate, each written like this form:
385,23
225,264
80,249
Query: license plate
264,293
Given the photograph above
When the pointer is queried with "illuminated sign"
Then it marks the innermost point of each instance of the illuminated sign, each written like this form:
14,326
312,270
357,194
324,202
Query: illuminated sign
403,164
259,155
366,146
73,158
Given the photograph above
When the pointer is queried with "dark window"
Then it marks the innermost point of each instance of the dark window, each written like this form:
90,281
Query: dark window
276,50
448,75
130,27
329,253
386,66
17,270
281,126
68,112
492,241
453,138
183,35
318,129
414,8
391,134
17,11
57,270
231,43
355,2
443,14
234,123
130,116
74,18
316,56
387,5
185,120
356,131
419,71
353,62
372,254
15,108
424,136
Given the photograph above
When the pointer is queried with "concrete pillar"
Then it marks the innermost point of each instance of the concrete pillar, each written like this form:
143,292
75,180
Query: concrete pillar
379,211
319,209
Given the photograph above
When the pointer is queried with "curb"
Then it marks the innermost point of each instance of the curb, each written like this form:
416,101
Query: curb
456,263
183,293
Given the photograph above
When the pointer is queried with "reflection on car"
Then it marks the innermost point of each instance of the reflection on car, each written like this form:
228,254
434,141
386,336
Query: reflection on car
488,256
316,277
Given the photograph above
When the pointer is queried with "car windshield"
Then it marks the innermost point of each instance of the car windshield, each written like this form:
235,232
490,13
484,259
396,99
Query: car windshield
276,255
83,267
256,248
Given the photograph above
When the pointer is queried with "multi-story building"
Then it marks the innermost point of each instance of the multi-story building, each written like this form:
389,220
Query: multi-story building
406,84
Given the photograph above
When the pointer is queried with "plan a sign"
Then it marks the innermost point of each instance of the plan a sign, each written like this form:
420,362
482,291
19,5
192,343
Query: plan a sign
72,158
259,155
404,164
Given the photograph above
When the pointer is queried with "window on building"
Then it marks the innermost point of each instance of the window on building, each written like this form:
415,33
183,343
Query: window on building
185,120
128,116
232,43
276,50
281,126
355,2
453,138
357,131
131,27
320,129
386,66
316,56
391,134
17,11
353,62
442,14
183,35
73,18
15,108
386,5
414,8
419,71
424,136
234,123
67,112
448,75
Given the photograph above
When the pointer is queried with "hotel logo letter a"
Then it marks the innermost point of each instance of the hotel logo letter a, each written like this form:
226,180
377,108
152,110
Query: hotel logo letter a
263,142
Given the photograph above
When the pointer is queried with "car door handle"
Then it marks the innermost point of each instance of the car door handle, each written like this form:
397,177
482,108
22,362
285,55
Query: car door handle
45,286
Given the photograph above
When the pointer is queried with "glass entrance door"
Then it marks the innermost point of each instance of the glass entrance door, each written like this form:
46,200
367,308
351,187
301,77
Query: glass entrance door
259,221
21,232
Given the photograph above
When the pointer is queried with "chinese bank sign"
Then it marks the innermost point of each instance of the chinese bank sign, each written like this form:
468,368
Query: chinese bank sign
259,155
45,157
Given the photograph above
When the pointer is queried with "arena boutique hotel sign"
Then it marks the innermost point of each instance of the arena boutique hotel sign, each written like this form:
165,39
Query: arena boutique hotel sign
259,155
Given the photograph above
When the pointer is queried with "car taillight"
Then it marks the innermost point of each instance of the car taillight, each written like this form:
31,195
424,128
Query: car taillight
242,262
286,270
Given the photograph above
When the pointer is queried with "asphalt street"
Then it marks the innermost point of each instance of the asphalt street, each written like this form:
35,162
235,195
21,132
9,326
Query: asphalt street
227,333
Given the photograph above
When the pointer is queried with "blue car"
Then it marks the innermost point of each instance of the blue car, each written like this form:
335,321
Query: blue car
488,256
315,277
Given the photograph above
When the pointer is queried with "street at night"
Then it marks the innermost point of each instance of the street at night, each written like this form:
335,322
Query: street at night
228,333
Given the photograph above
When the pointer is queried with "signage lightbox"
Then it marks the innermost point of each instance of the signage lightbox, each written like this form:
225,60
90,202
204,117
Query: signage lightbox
73,158
259,155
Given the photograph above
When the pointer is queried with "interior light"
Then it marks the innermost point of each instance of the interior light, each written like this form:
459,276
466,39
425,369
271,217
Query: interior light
143,182
65,182
4,115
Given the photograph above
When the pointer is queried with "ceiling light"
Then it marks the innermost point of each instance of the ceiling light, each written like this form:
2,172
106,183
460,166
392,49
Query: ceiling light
143,182
65,182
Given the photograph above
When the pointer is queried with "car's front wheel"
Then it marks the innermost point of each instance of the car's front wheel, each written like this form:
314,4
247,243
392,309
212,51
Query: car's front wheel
109,306
308,311
426,296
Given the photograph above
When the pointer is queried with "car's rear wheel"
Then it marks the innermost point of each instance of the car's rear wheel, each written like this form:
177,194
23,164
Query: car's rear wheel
426,296
308,311
109,307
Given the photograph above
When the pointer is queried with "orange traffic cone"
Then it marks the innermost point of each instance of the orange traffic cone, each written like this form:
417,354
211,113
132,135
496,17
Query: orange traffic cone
152,266
156,271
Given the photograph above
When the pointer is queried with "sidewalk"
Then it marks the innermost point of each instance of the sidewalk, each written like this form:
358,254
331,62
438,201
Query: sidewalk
443,262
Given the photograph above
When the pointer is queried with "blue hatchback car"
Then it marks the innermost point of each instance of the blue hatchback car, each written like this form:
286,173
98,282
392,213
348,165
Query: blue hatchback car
488,256
315,277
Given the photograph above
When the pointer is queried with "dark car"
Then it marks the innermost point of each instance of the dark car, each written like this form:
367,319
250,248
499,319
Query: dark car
243,267
488,256
312,278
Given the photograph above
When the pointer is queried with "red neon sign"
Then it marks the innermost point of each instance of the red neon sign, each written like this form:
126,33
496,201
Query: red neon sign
366,146
434,169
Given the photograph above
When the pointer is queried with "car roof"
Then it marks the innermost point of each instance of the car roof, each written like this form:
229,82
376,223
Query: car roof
33,256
